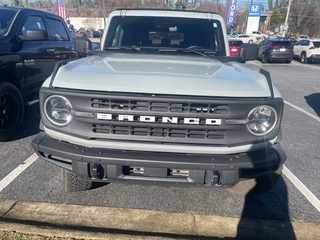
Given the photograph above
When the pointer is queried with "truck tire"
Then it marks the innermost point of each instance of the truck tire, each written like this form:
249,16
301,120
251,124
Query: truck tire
258,186
72,183
11,110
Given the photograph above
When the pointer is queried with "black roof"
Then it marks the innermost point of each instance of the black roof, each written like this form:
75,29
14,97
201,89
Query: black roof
24,9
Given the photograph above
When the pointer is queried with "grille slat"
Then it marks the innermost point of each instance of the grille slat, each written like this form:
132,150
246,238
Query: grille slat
158,132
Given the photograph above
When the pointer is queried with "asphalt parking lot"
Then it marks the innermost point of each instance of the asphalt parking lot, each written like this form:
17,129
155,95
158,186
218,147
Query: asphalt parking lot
295,199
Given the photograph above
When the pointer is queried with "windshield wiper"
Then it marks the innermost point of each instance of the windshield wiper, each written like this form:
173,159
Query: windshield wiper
136,49
182,50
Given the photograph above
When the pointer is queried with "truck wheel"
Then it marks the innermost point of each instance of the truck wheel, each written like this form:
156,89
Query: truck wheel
258,186
72,183
11,110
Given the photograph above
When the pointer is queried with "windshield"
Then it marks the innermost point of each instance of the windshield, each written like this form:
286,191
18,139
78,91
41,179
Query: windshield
155,33
6,17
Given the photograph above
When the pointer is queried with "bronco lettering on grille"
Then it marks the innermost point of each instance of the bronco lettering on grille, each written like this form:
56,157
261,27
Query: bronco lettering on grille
152,119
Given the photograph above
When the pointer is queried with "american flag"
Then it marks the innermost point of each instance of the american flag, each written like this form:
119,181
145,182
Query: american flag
62,9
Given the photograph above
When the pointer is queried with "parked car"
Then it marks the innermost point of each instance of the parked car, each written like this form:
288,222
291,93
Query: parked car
32,42
256,34
307,50
83,33
275,49
302,37
97,34
80,34
246,38
234,46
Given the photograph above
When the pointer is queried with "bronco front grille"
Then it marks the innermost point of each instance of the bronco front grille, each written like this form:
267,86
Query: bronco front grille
171,132
161,119
139,108
159,106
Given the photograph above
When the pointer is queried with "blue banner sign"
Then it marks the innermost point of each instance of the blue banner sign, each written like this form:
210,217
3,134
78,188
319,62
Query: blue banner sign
231,12
255,10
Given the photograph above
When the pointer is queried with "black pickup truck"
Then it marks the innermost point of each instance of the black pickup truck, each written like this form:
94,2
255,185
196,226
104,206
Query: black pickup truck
31,43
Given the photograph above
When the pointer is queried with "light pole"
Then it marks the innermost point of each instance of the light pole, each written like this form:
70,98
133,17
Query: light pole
104,13
286,21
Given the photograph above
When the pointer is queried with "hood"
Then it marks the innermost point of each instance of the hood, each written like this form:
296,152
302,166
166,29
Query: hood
162,74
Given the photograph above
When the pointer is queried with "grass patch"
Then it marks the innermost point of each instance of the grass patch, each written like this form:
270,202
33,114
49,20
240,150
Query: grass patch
4,235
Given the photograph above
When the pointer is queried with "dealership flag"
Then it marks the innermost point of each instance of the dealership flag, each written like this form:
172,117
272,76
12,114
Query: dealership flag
62,9
231,12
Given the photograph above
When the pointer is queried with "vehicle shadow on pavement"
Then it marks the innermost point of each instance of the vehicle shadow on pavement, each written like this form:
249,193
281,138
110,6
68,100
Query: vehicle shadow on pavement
263,219
313,101
30,124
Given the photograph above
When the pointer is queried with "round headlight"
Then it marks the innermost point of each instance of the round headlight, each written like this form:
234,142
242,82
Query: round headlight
58,110
262,120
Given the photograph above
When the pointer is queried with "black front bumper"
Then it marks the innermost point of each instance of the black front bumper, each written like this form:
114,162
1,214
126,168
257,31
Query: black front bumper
105,165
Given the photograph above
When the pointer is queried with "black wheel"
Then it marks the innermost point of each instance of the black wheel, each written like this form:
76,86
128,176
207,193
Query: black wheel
288,60
250,41
71,182
11,110
258,186
303,58
263,58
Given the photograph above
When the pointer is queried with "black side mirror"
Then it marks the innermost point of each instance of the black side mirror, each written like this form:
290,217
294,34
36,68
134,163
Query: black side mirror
82,45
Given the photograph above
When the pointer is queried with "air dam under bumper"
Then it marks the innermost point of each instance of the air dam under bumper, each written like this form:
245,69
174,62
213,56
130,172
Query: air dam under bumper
105,165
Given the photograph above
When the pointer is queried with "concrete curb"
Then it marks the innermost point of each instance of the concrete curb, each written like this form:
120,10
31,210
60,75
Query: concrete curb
48,219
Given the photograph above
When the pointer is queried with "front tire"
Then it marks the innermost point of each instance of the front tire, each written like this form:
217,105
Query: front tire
288,60
72,183
11,110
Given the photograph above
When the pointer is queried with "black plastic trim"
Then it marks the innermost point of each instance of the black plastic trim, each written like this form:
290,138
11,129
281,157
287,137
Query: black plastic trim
264,161
55,70
267,75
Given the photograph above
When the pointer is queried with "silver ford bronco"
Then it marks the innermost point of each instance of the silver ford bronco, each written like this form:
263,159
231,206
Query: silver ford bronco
162,102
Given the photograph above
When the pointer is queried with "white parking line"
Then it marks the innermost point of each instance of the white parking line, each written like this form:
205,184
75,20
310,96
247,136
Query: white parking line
302,188
296,182
17,171
303,111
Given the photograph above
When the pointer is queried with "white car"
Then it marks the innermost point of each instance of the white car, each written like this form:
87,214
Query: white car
307,50
256,34
246,38
303,37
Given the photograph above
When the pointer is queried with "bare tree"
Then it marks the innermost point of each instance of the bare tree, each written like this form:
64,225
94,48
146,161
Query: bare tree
91,23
